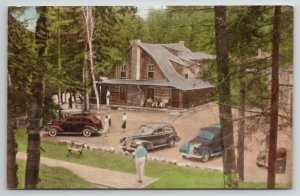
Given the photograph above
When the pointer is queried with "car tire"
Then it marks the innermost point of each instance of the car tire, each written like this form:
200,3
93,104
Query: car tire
206,154
52,132
145,146
280,167
171,143
86,132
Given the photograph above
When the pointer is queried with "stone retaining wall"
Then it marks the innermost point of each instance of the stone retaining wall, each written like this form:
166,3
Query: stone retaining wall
113,150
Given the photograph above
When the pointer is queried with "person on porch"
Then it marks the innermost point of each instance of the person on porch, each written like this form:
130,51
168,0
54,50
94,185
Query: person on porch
107,97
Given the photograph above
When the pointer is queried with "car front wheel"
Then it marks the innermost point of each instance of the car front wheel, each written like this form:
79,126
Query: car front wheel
52,132
205,153
171,143
86,132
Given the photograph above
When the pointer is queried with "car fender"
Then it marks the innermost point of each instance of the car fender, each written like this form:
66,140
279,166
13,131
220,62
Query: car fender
92,128
177,138
202,148
146,143
47,127
57,127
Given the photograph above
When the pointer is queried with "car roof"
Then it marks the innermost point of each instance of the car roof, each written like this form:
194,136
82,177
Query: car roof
214,130
82,114
156,125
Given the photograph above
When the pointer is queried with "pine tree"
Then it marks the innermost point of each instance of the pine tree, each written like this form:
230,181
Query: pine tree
20,64
33,145
229,161
274,99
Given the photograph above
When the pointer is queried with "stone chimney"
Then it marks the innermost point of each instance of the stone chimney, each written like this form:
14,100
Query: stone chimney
181,43
135,59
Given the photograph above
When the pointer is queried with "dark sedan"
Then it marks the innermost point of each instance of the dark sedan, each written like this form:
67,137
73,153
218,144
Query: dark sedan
151,135
207,143
85,124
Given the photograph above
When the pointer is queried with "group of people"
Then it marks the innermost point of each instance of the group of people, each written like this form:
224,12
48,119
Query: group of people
107,123
157,102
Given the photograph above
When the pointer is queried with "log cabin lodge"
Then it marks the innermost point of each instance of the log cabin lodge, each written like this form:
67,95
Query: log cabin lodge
159,75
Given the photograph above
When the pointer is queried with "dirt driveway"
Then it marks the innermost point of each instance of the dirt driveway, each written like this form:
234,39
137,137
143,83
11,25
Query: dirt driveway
186,124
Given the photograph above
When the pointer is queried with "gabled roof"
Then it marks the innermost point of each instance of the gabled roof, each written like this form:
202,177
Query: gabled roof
178,47
198,56
162,57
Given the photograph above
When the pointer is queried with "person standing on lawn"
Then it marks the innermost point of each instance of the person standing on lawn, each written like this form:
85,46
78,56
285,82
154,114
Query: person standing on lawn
109,120
124,119
106,126
140,156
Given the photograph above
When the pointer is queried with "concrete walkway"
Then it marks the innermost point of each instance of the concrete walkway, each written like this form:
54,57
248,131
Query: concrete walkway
103,178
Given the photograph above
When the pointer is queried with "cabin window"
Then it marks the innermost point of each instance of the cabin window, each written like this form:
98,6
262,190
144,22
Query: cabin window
122,93
150,71
123,71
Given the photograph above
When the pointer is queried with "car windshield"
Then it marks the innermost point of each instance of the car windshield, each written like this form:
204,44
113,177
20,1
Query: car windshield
145,129
93,118
206,135
70,119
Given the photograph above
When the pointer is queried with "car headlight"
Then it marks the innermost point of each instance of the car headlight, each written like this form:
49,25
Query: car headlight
134,142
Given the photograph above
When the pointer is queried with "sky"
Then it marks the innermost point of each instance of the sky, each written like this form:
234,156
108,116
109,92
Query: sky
31,16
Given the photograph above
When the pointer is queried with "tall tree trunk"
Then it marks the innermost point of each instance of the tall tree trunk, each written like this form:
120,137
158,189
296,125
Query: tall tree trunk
229,162
59,58
274,99
12,167
33,129
89,22
85,81
241,131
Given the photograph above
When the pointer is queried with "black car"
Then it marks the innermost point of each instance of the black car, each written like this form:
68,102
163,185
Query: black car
151,135
207,143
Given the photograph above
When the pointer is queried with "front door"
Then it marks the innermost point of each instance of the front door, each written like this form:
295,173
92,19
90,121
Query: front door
150,93
103,94
159,137
72,124
175,98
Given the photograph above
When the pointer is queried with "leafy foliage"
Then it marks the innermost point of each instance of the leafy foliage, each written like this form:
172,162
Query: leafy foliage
21,62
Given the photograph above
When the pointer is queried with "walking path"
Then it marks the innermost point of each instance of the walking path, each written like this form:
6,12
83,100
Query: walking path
101,177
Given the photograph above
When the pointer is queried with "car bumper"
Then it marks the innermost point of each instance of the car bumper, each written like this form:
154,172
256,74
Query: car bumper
186,155
97,132
47,128
128,148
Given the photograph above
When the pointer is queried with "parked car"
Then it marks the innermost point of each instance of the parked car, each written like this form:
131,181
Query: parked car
207,143
151,135
86,124
280,164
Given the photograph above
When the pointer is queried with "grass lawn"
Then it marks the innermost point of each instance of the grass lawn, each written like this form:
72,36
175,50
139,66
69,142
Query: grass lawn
170,176
54,178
